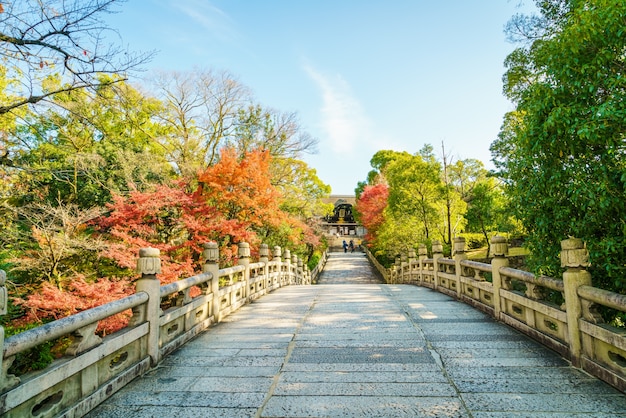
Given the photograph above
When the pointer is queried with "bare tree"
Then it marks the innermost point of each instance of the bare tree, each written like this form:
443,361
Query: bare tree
201,113
55,234
40,40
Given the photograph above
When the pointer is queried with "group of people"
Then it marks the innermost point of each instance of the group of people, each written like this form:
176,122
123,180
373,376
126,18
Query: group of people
346,246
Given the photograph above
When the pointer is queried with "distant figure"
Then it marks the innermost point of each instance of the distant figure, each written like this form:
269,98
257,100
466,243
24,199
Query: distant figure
345,246
351,246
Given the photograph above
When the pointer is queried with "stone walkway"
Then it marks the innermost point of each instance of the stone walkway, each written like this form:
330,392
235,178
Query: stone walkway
353,347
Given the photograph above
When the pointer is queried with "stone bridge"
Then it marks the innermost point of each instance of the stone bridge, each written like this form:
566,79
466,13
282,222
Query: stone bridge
445,337
352,346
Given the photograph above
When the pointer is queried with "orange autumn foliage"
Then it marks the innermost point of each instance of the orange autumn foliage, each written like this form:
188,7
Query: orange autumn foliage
240,189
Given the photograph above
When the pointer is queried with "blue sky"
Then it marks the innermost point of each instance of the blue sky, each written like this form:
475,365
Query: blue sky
362,75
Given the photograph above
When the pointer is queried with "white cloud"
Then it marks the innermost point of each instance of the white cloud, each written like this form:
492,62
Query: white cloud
343,119
211,18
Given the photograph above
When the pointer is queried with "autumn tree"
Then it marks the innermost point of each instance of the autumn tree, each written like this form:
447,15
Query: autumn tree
370,207
169,218
41,40
240,190
561,152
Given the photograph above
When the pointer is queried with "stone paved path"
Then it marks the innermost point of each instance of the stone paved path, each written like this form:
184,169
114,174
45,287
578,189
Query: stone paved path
352,347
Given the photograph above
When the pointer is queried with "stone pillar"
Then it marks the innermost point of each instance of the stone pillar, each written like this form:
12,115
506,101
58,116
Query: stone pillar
264,257
6,380
422,254
458,251
301,276
243,254
287,261
404,262
296,274
211,255
279,268
575,257
499,248
437,254
149,265
412,270
396,270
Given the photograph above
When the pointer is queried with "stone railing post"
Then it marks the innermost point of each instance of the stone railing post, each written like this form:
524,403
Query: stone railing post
437,254
458,252
243,254
287,261
404,262
422,254
276,255
396,269
6,380
301,272
294,263
149,265
575,257
412,259
264,257
499,248
211,255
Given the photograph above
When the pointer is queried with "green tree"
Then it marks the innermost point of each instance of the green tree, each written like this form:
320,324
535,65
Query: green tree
486,204
98,144
561,152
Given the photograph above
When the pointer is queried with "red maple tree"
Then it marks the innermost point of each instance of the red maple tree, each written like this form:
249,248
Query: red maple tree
371,206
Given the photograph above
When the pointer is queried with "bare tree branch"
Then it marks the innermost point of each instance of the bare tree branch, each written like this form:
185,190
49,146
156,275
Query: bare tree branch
67,37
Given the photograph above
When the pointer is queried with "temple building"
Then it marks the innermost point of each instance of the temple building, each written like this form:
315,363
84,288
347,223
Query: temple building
341,222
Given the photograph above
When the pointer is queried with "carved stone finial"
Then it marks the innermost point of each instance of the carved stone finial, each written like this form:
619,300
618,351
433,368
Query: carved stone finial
422,251
149,261
437,247
243,250
459,245
412,253
264,251
498,246
277,252
574,253
211,252
287,254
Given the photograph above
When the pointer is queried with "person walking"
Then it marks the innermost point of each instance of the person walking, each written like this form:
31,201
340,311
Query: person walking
345,246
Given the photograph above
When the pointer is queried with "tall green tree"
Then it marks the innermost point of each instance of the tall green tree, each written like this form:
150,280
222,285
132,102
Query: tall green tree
561,152
416,192
484,196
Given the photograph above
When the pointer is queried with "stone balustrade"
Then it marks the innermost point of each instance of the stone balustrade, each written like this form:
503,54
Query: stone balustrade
163,319
517,298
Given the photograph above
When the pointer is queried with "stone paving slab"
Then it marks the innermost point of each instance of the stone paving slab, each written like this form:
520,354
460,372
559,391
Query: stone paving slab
353,347
422,376
363,406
